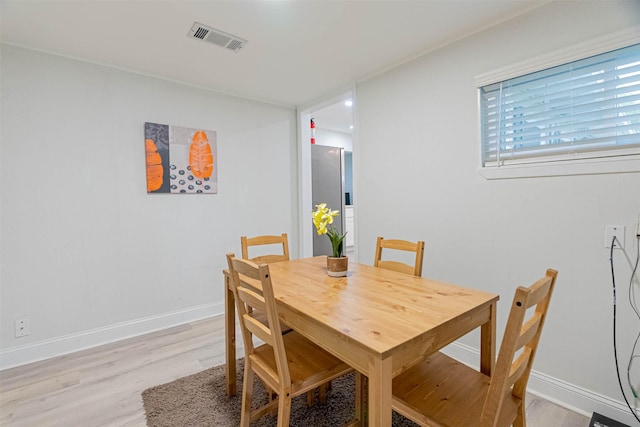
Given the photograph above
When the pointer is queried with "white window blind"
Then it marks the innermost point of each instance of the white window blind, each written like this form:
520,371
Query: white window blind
584,109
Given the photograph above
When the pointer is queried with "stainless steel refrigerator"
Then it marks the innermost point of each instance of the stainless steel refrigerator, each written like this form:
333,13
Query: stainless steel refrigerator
327,183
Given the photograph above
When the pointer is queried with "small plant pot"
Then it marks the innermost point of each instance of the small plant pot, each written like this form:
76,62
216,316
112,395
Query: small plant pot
337,267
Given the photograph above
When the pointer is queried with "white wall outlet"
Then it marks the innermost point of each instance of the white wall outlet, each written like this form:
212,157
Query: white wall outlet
614,230
22,328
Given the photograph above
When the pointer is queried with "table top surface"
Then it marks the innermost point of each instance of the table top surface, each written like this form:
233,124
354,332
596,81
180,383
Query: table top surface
377,308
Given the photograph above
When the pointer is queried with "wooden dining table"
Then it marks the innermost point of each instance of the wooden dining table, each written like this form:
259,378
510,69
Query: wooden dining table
379,321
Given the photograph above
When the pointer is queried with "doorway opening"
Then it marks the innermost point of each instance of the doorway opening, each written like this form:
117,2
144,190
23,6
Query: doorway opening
333,126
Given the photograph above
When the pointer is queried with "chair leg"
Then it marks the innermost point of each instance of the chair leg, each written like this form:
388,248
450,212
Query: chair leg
311,395
521,420
322,392
230,337
247,395
272,395
284,409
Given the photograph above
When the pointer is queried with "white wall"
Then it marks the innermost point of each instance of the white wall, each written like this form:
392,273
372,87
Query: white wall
416,179
87,255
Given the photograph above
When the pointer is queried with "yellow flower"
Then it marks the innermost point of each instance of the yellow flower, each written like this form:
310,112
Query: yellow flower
322,220
322,229
319,219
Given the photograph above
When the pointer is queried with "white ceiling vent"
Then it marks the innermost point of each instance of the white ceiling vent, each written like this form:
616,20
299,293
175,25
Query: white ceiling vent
211,35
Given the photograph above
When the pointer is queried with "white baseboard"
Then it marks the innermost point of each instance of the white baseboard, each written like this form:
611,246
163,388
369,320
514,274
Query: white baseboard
560,392
46,349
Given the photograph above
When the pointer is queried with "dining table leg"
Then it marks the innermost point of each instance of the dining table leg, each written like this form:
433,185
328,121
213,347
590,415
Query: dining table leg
230,336
379,396
488,343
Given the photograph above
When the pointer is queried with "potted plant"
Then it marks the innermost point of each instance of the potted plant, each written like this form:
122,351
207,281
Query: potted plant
337,264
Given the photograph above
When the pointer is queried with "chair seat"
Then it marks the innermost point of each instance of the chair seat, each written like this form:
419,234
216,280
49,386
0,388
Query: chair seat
304,358
444,386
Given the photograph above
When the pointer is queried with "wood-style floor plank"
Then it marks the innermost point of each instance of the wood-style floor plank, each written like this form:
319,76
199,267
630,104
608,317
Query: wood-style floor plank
102,386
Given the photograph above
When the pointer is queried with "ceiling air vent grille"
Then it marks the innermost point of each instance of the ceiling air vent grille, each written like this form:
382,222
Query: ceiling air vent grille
217,37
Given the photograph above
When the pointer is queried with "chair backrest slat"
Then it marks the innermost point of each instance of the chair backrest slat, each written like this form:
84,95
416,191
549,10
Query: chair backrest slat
539,291
258,329
529,329
518,367
251,297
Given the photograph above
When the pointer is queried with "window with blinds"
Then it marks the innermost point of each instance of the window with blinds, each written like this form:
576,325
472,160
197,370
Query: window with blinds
583,109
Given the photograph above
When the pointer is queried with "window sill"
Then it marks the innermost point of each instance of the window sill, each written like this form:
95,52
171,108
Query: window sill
626,164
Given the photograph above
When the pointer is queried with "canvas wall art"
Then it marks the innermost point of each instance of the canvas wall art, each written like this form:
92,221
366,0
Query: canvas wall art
180,160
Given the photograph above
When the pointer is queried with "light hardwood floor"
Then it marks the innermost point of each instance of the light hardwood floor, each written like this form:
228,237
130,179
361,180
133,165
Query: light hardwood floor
102,386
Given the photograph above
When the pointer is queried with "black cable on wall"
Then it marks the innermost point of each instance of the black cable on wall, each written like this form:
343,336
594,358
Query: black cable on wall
615,346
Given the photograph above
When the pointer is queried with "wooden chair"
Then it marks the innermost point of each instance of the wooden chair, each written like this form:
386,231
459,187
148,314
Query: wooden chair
289,364
402,245
245,243
440,391
282,240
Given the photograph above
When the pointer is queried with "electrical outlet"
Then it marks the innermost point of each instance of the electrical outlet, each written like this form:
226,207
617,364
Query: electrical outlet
614,230
22,328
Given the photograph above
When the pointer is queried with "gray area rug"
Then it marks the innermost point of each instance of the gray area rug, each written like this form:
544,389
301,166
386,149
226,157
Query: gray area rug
201,400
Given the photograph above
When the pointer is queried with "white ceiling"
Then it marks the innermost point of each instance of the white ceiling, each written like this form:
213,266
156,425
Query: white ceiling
297,51
336,117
